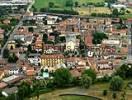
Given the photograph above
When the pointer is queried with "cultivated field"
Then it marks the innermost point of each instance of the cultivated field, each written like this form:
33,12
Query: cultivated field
88,11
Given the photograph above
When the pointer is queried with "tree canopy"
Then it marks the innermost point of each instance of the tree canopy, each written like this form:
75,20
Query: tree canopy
62,77
91,73
98,37
116,83
124,71
85,81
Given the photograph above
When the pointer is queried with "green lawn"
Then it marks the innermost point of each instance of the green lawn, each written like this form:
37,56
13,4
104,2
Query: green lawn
44,3
60,3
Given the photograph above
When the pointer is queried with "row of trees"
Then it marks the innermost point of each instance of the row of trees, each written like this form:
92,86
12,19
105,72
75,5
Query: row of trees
63,11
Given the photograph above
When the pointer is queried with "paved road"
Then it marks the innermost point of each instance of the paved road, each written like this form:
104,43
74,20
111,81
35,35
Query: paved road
16,27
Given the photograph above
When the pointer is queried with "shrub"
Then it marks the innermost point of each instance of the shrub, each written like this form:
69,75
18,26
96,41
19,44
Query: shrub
116,83
105,92
114,95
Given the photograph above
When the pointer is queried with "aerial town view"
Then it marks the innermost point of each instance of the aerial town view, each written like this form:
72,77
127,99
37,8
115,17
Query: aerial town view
65,49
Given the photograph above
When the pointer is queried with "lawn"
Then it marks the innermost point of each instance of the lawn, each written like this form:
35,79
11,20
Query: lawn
44,3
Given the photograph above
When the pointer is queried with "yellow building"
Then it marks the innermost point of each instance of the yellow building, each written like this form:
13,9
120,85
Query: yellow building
2,74
50,61
11,45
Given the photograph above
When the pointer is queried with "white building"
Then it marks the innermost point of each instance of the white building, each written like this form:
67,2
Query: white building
71,42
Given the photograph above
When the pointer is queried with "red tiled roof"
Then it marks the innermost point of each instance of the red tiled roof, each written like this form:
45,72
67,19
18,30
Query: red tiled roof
2,31
53,56
88,40
30,71
2,85
75,73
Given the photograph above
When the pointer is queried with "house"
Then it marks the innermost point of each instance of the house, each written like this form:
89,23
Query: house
3,63
34,59
38,45
23,34
30,71
50,21
14,70
88,40
6,21
51,60
12,79
75,73
51,48
121,32
118,6
111,42
104,64
28,40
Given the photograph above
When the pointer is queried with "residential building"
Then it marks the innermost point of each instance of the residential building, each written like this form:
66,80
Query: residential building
34,59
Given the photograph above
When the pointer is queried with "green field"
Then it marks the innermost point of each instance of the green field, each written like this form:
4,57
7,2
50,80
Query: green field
60,3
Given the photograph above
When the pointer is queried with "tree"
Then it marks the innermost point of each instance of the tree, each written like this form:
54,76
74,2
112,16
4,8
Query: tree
114,95
85,81
24,90
45,38
76,4
105,92
111,1
116,83
29,48
14,21
91,73
30,29
62,77
124,71
115,12
98,37
34,9
12,58
19,43
5,53
51,4
122,11
69,3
